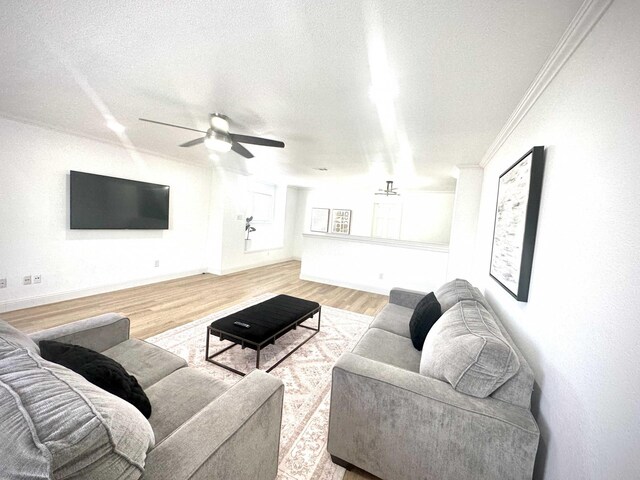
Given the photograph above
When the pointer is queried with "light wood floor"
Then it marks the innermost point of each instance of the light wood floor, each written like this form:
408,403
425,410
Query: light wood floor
155,308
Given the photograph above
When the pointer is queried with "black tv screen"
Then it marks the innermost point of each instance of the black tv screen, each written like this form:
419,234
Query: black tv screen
99,202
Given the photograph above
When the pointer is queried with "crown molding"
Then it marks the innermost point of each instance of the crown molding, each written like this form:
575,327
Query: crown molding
585,19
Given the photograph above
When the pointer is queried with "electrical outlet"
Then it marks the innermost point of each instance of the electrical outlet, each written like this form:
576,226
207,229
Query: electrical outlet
381,276
26,280
37,278
3,283
157,263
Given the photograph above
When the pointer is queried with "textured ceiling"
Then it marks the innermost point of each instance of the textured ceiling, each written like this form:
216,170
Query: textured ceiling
370,90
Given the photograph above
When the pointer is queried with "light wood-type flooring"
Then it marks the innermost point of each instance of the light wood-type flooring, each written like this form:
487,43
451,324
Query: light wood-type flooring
155,308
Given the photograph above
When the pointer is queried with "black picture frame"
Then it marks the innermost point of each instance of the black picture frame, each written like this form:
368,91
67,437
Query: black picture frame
515,224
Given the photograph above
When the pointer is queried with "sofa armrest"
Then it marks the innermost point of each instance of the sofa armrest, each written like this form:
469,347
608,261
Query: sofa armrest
235,436
419,427
97,333
405,298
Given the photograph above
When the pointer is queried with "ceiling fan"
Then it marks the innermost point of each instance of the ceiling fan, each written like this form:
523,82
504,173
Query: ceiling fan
218,137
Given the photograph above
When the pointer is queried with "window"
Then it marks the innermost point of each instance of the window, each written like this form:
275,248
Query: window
262,206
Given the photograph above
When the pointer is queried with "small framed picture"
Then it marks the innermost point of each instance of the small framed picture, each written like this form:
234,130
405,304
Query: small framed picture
320,220
341,221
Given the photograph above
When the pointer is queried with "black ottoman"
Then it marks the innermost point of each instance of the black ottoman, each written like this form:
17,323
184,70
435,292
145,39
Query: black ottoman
266,322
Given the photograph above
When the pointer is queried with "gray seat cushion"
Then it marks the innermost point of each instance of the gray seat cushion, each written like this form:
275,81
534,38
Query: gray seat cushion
148,363
467,349
395,319
455,291
55,424
178,397
389,348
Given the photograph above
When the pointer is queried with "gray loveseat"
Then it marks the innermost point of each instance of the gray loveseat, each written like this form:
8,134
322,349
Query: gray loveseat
391,420
64,427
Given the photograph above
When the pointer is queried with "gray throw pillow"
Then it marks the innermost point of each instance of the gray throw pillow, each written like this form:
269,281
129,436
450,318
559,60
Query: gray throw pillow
466,348
15,337
58,425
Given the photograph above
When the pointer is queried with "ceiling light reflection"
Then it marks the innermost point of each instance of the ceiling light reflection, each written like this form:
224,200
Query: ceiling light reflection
114,125
383,92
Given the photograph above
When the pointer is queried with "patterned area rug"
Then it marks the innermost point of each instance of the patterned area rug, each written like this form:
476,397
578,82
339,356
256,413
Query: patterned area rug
306,375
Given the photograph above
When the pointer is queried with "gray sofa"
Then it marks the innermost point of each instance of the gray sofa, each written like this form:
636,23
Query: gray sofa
392,417
64,427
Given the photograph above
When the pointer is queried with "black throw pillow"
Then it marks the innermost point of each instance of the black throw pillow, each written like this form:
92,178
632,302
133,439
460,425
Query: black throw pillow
427,312
100,370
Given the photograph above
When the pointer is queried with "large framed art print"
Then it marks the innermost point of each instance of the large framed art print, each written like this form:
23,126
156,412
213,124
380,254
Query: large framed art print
516,222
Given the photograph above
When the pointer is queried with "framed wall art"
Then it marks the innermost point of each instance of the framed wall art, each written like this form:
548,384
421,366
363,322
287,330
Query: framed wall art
516,221
320,220
341,221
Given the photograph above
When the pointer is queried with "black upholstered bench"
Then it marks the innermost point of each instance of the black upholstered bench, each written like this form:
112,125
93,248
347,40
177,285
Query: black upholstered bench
267,321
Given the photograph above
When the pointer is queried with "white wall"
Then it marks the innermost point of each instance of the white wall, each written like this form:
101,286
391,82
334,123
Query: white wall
372,265
580,329
426,216
230,195
418,260
300,219
462,244
34,218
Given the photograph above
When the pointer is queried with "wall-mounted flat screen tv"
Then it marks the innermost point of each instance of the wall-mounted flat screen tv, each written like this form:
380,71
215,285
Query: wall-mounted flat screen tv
99,202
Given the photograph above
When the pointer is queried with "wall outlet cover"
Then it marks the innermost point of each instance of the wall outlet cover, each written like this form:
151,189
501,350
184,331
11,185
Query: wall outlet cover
26,280
157,263
37,279
3,283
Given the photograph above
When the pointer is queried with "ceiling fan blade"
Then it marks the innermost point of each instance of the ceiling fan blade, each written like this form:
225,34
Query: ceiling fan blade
256,140
239,149
191,143
171,125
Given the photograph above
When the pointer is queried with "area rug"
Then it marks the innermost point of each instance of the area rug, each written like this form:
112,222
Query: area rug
306,375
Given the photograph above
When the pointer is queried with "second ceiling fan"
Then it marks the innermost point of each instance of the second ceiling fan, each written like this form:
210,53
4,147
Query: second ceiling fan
218,137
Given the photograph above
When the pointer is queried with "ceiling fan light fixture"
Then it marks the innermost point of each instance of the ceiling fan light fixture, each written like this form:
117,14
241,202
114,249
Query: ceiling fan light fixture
219,123
218,142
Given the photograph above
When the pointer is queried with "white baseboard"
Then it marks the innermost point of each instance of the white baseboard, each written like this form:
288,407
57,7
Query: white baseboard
264,263
10,305
341,283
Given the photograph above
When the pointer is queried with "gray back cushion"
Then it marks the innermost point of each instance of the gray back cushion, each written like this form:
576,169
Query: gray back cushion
466,348
58,425
455,291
